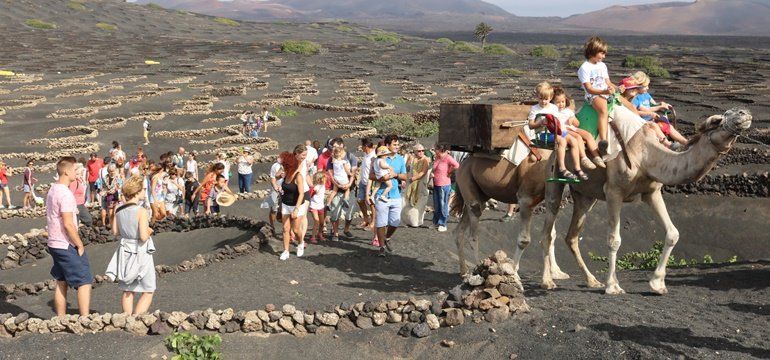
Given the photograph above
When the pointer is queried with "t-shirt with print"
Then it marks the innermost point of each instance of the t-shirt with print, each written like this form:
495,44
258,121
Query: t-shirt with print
643,100
58,201
398,164
563,116
594,74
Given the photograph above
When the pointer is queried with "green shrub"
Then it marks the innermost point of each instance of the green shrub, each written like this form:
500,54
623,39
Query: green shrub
574,64
107,27
40,24
344,28
511,72
302,47
649,260
546,51
315,26
463,46
404,125
76,5
384,37
445,41
155,6
497,49
650,65
189,346
226,21
284,113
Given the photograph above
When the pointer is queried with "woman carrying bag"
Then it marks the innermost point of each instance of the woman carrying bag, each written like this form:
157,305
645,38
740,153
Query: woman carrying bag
132,265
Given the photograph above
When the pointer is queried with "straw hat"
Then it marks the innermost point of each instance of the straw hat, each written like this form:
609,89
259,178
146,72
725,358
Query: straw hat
383,150
225,199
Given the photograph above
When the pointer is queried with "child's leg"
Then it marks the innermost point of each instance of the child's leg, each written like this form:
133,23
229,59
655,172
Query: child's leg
315,224
574,150
600,105
589,141
127,301
561,147
677,136
331,195
578,140
386,192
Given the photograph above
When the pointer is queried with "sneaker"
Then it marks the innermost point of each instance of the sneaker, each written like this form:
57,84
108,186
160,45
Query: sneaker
348,234
300,250
442,228
586,163
2,207
599,162
507,217
335,238
313,240
284,255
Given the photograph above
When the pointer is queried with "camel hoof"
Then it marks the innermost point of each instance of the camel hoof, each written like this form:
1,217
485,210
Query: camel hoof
658,287
614,290
559,275
548,285
593,283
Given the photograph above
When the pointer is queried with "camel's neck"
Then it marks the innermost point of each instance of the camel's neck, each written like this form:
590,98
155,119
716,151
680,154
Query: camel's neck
672,168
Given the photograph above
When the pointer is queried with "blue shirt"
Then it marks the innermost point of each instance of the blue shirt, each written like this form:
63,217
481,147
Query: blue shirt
643,100
398,164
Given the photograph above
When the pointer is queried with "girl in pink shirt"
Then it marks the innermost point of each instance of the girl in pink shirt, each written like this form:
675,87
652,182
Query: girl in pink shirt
443,166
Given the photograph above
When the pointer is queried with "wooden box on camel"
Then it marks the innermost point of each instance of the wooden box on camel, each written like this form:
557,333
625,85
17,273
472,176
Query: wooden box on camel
480,127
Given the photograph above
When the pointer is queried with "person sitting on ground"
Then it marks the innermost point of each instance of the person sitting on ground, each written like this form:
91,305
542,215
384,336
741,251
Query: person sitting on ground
568,121
649,108
342,174
219,187
381,170
135,273
544,114
317,193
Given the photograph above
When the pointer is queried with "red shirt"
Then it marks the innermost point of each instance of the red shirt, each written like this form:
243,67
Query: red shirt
93,169
322,163
3,177
79,190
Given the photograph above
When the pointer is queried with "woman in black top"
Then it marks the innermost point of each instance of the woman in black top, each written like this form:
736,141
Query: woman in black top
294,203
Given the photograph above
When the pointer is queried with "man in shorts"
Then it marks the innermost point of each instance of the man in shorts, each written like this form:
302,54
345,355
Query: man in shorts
71,267
93,166
388,212
339,205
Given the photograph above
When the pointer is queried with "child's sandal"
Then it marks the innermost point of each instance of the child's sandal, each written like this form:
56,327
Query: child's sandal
582,175
565,174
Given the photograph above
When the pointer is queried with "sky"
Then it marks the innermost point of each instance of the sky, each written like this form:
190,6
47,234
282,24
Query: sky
563,8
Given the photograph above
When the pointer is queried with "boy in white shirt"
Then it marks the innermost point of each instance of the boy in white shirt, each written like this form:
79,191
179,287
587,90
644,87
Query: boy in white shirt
595,79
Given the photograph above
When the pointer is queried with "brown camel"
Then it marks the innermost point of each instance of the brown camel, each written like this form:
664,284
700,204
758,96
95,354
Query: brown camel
481,178
652,166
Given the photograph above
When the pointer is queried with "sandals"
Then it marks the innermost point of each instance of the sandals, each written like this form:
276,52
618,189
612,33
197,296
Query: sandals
582,175
565,174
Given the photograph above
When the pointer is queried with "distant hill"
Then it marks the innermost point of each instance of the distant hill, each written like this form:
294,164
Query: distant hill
702,17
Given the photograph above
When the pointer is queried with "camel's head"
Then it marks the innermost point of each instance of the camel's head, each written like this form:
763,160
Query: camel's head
722,130
734,121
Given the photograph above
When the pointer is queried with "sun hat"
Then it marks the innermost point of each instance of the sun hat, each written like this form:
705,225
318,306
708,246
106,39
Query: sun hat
383,150
629,83
225,199
418,147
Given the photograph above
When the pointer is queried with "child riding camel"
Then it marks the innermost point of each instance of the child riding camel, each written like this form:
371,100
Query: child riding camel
595,79
544,114
569,122
648,108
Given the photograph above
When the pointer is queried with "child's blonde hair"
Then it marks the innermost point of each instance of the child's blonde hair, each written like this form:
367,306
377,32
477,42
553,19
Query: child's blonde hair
319,178
544,90
641,78
593,46
338,153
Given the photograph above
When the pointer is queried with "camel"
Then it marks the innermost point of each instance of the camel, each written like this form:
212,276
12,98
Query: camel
652,166
481,178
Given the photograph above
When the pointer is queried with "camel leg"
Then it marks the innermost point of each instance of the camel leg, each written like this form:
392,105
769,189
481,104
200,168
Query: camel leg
553,196
658,280
460,233
614,203
474,212
580,209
